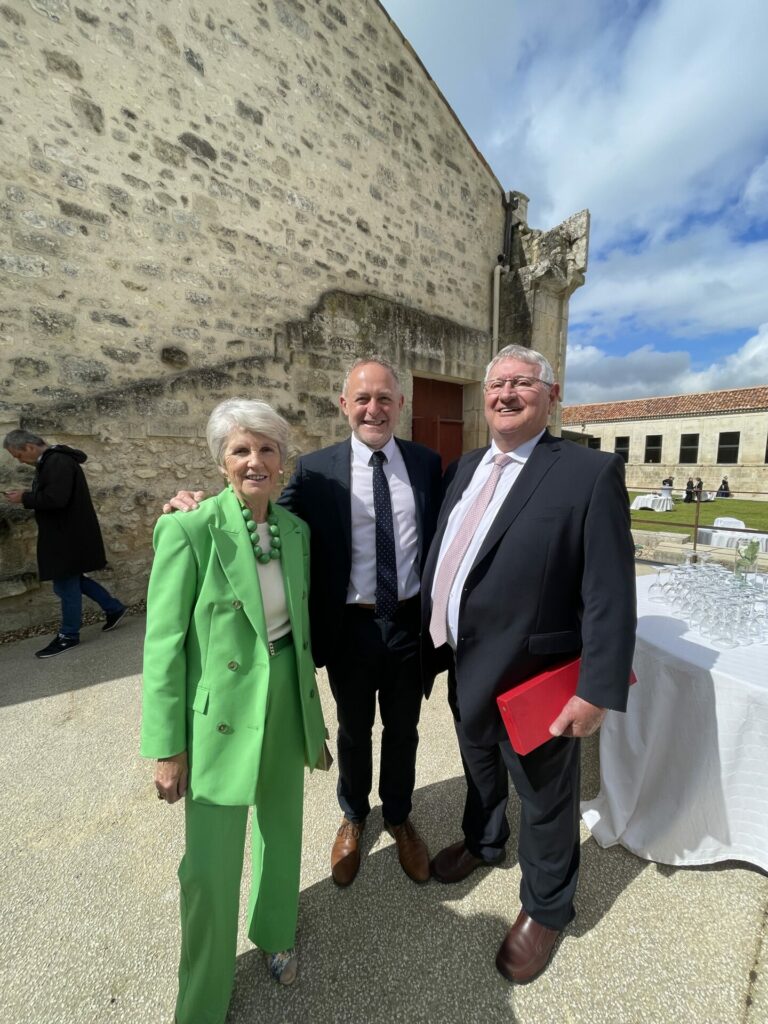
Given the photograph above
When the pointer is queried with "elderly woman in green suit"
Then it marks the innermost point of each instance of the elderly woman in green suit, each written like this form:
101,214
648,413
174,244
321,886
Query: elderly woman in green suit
230,707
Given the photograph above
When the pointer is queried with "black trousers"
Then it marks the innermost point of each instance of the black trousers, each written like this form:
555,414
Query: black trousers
377,659
547,782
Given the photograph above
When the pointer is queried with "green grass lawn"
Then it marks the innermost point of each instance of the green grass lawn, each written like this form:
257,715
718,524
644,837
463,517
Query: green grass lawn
754,515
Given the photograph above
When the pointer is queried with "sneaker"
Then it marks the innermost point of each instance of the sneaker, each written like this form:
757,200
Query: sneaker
283,966
114,620
58,645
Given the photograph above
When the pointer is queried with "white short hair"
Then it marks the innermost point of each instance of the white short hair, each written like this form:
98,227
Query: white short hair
245,414
524,355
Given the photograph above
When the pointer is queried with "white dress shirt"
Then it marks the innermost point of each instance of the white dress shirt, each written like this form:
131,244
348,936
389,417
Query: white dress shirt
508,476
362,579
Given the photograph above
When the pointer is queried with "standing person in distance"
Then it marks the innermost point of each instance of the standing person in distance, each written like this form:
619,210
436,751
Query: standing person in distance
371,503
532,564
69,543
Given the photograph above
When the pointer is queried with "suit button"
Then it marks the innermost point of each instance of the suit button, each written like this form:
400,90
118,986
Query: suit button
233,666
303,595
312,693
306,644
237,604
223,727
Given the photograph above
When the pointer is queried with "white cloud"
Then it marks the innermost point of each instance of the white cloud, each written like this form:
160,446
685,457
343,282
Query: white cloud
754,199
654,115
594,375
701,282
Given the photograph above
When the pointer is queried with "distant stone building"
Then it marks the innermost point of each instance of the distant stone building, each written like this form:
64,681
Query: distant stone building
200,202
711,435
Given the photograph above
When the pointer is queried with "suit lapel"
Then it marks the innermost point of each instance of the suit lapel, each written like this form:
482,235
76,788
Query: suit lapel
541,460
416,478
233,546
293,571
341,477
464,472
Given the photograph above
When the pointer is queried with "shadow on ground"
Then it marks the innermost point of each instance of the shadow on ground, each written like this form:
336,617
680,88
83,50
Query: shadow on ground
387,950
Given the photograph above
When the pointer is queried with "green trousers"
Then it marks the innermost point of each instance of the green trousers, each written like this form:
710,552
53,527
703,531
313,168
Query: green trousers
211,869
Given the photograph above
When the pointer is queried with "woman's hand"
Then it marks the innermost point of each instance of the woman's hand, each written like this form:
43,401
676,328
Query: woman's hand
171,774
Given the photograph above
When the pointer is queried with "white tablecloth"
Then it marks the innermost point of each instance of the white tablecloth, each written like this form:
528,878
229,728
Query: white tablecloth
684,773
654,502
721,539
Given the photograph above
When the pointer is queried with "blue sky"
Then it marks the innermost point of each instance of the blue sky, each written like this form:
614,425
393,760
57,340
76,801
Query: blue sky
654,115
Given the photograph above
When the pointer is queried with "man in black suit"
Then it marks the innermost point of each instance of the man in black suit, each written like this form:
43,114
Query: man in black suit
368,640
371,503
532,564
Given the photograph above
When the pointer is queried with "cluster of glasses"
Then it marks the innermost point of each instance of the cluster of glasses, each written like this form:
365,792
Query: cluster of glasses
729,609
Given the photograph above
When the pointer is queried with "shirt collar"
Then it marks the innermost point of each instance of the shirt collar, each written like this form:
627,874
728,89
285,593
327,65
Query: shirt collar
520,454
361,453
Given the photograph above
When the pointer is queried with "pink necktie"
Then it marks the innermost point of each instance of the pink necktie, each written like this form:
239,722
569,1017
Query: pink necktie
438,626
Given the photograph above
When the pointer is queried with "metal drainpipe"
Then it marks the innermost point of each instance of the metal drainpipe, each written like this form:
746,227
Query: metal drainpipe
502,267
498,270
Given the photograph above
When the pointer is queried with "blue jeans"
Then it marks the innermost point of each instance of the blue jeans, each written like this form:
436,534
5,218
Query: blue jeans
70,590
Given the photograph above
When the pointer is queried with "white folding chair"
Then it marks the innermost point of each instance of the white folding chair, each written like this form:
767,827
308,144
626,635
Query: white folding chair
736,524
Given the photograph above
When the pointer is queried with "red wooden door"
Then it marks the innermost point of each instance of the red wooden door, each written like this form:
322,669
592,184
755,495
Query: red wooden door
438,417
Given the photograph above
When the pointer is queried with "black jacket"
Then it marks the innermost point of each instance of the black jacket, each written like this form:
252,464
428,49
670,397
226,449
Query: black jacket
554,578
68,535
319,492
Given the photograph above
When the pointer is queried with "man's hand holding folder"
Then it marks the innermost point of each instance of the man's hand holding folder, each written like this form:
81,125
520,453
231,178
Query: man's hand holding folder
546,706
578,719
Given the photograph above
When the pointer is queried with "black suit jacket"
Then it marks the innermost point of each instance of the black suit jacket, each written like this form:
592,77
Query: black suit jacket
319,492
554,578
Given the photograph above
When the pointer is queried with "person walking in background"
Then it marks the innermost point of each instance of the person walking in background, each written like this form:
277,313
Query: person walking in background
230,707
518,580
724,490
688,491
69,540
699,489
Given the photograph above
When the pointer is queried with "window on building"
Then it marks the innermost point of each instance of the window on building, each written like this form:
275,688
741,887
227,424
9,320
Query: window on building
728,447
689,449
653,448
621,447
594,442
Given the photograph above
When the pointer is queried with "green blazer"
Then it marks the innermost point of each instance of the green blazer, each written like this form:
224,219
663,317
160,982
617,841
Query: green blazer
206,661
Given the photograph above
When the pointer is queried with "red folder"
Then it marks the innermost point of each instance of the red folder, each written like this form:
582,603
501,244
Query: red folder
529,709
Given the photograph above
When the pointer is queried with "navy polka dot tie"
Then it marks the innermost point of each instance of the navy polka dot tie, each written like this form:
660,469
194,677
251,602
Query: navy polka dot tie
386,563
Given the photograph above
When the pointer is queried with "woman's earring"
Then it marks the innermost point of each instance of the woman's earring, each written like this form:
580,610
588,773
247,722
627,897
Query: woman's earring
281,471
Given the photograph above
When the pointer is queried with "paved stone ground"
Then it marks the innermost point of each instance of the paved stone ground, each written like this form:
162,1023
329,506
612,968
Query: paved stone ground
89,897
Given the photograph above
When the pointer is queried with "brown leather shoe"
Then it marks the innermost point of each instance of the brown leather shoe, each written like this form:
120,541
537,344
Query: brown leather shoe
526,950
345,853
411,849
455,863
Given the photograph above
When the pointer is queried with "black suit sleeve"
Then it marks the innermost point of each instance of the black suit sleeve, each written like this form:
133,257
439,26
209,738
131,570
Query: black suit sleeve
291,497
54,486
608,593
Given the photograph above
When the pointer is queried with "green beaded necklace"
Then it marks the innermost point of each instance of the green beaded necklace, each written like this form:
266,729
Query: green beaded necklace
274,536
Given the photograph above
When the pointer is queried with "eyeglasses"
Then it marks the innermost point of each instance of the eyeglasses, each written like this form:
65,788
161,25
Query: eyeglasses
496,385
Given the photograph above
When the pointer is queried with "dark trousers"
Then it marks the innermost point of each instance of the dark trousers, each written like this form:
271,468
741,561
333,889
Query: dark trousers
547,782
381,659
70,590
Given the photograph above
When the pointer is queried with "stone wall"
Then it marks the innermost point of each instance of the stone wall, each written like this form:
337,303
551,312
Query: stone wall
203,200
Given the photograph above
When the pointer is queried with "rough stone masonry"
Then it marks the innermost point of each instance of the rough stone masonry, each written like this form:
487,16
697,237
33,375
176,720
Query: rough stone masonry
202,200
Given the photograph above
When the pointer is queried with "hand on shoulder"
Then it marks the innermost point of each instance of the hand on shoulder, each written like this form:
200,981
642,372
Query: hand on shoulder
184,501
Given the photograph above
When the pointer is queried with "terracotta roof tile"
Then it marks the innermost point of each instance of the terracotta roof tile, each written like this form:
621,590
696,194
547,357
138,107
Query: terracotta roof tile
705,403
